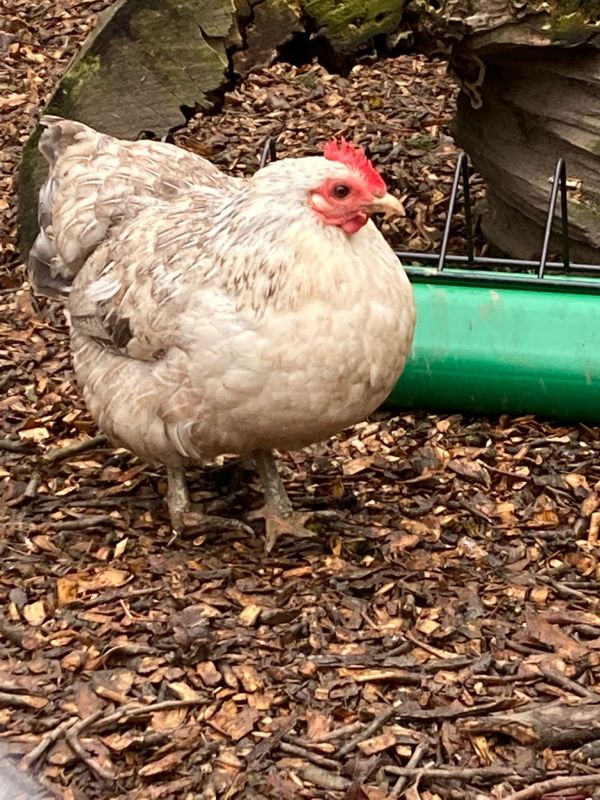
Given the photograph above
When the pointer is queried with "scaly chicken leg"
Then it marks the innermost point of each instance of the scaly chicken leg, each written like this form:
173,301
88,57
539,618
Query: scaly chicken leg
277,511
183,515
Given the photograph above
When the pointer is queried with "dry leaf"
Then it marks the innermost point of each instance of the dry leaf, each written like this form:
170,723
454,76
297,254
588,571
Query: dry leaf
250,614
168,720
377,744
590,504
35,613
66,590
542,631
357,465
164,764
209,674
184,692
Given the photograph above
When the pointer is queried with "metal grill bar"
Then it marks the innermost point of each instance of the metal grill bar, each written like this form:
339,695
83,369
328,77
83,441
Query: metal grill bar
559,181
488,261
501,270
269,152
462,171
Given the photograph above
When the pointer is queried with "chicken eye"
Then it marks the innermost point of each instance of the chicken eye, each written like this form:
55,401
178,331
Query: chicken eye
340,191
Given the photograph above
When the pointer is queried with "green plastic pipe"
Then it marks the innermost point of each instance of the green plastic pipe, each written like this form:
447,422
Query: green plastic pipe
492,349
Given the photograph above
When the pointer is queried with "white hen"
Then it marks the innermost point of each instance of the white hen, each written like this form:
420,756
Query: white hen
214,315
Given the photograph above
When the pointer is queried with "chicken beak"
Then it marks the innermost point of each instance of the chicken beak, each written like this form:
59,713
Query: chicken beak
388,204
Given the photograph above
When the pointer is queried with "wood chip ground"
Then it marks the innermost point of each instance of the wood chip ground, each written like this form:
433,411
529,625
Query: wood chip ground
438,638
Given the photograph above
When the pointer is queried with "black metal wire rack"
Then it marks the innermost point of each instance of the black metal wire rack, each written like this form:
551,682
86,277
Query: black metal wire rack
472,268
484,269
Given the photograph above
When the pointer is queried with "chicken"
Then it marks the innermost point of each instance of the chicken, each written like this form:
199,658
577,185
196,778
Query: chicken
16,785
210,314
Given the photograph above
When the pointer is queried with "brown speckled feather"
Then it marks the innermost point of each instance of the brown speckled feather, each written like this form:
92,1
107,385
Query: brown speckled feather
94,183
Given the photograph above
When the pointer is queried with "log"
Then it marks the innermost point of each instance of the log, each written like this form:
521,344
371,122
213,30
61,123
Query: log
558,725
530,93
146,67
143,70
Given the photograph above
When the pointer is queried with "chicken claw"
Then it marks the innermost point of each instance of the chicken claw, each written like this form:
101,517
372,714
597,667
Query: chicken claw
280,518
184,516
292,525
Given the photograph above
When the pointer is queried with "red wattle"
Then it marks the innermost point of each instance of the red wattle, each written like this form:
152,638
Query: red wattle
355,223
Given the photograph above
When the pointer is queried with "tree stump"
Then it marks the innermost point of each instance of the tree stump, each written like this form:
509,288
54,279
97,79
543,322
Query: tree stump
530,76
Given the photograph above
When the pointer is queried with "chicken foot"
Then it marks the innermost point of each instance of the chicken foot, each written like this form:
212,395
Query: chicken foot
279,515
184,515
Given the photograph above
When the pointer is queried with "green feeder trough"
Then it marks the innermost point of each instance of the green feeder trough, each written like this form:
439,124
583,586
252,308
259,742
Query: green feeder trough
503,335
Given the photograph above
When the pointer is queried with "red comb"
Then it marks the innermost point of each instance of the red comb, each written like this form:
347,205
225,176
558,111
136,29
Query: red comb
355,158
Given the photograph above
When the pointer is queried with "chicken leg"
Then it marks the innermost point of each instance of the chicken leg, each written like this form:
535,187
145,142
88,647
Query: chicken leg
183,515
277,511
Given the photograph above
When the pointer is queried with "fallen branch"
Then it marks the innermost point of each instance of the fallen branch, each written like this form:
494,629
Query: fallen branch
366,732
555,784
75,449
413,762
81,523
33,485
559,725
79,750
28,761
15,446
132,711
452,773
323,778
339,733
552,676
315,758
436,714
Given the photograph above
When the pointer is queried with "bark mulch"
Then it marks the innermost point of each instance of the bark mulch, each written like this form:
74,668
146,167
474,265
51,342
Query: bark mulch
438,638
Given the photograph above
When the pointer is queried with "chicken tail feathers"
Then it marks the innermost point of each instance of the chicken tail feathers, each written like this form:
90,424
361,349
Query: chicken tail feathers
47,271
97,182
59,134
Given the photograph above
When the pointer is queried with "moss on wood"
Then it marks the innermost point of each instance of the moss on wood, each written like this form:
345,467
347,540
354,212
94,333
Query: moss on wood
143,65
351,23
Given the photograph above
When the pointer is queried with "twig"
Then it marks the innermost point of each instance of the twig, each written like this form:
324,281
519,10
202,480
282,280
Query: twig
125,593
413,761
130,711
321,761
571,686
425,646
323,778
500,680
28,761
452,773
367,731
567,591
338,733
15,446
21,700
514,475
80,523
552,784
74,449
76,746
33,485
453,713
95,719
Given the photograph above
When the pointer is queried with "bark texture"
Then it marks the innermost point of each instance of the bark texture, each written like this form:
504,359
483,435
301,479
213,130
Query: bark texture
530,92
